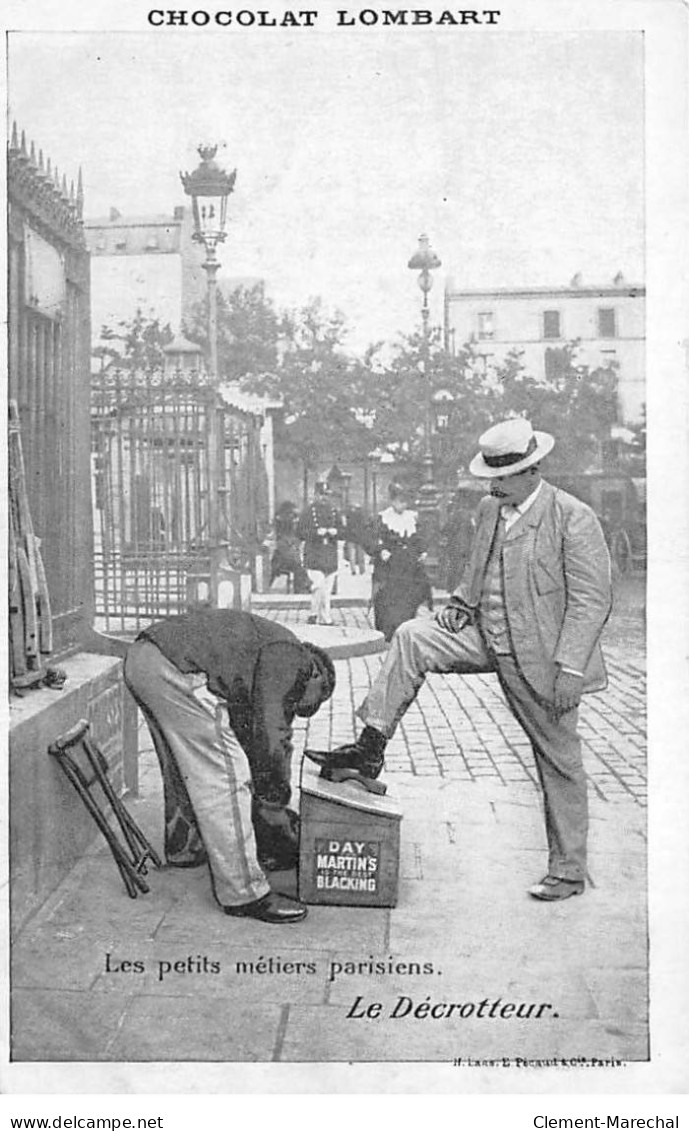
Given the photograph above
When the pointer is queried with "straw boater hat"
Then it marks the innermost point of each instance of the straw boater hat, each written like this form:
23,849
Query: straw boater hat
508,448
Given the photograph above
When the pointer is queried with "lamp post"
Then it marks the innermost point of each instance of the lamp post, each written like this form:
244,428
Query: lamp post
374,459
424,261
443,404
209,187
346,485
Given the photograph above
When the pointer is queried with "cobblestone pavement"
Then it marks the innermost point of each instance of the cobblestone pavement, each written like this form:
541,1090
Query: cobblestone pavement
461,728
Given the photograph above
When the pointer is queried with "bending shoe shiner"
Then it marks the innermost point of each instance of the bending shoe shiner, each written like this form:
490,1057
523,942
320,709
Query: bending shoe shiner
219,690
531,607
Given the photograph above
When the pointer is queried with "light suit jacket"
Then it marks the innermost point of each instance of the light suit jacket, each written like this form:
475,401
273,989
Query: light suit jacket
556,581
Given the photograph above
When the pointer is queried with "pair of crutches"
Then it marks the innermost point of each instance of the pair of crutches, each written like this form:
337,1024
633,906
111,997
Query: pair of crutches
132,852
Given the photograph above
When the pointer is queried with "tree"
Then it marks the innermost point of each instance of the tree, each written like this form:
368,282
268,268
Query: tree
340,408
135,344
399,399
249,331
321,389
576,403
296,357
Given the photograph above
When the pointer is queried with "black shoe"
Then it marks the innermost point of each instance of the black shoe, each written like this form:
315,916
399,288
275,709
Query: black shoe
312,620
346,773
271,908
553,888
366,755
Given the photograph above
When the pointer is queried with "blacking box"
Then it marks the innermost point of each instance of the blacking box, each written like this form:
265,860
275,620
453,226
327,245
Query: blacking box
349,843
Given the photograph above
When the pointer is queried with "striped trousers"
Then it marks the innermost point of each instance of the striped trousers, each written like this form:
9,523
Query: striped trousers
198,750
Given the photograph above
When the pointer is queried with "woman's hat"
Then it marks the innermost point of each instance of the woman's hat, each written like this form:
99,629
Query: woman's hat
508,448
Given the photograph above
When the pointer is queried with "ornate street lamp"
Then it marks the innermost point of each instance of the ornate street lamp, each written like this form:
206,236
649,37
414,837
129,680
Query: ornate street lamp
209,187
442,409
424,261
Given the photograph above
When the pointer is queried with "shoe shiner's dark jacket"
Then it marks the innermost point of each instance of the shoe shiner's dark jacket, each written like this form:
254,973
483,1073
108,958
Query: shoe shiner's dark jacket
260,668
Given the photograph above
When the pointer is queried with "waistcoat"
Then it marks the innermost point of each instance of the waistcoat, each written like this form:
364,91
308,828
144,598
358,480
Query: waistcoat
492,604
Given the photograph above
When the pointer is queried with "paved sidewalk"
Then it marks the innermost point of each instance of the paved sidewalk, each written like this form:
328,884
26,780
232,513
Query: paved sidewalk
527,979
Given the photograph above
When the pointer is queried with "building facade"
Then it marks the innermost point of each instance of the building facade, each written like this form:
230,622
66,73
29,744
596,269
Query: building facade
145,263
606,321
149,264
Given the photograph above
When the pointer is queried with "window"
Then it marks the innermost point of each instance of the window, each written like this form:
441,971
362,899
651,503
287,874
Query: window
485,326
551,324
606,322
555,363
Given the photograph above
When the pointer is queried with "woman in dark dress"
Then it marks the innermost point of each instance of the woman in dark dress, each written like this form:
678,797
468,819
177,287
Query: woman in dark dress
400,585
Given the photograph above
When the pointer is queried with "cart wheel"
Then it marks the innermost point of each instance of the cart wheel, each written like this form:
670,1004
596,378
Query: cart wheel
622,551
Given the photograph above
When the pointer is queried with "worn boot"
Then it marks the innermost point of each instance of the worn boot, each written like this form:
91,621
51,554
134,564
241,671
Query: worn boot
366,755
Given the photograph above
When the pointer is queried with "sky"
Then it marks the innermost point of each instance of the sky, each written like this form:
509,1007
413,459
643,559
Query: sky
520,154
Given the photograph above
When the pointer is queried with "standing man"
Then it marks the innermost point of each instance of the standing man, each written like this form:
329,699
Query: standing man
320,527
531,607
219,690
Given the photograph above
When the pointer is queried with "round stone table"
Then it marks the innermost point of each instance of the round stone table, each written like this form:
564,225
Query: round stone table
339,642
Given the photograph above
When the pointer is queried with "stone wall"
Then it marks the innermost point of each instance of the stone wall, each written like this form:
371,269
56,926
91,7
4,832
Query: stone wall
50,828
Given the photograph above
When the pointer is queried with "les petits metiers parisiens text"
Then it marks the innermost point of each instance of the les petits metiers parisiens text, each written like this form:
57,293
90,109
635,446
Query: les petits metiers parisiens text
312,17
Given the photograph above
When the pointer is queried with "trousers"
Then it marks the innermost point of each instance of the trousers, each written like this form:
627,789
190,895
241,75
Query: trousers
191,728
421,646
323,584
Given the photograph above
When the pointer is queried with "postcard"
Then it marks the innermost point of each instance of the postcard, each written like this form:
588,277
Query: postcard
347,415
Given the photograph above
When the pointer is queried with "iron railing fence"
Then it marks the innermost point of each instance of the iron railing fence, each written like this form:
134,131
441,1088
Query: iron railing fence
48,377
165,448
